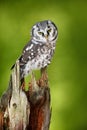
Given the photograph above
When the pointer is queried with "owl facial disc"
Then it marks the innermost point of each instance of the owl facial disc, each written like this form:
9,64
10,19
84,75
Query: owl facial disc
44,31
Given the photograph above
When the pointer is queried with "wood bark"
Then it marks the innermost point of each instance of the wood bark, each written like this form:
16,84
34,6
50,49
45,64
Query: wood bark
26,110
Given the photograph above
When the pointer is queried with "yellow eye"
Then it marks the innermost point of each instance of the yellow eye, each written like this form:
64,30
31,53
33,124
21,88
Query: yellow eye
49,30
41,33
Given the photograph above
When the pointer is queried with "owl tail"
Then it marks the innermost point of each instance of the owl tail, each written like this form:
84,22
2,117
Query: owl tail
5,98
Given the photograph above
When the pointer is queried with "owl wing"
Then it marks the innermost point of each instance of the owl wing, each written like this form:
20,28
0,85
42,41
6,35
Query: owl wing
29,52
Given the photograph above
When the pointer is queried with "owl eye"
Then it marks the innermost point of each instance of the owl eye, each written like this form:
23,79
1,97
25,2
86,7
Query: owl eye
41,33
49,30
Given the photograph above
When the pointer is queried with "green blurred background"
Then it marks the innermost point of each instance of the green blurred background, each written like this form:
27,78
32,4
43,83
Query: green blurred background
68,70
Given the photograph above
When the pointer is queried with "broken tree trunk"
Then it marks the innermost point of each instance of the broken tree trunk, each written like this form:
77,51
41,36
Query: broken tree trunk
26,110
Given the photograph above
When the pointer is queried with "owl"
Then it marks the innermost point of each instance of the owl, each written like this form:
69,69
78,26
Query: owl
39,50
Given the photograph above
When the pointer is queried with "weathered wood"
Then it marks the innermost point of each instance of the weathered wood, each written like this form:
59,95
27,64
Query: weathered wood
19,108
26,110
39,98
1,120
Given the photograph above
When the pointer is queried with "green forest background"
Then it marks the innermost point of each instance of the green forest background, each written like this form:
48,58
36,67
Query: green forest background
68,70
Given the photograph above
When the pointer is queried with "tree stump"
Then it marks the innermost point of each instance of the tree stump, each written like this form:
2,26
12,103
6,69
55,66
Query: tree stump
26,110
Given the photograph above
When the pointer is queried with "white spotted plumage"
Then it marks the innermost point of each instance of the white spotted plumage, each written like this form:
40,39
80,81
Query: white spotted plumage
39,51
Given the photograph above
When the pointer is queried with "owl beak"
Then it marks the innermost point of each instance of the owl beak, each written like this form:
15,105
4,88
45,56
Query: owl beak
46,36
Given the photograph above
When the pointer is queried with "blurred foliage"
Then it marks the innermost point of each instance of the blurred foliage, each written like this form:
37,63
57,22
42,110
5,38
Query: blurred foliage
68,70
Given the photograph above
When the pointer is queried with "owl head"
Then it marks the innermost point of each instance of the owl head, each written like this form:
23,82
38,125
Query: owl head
44,32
